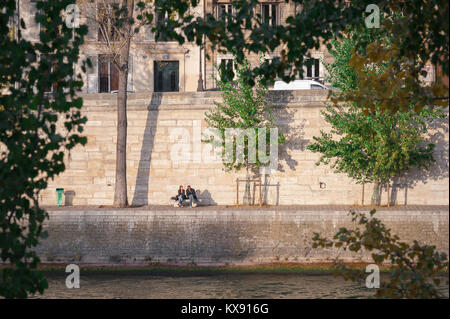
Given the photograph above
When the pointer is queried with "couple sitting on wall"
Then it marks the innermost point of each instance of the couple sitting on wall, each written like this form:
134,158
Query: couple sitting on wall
183,195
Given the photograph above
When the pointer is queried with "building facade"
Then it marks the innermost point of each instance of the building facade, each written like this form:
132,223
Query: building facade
166,66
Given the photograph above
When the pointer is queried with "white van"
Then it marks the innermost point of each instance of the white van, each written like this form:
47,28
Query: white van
298,85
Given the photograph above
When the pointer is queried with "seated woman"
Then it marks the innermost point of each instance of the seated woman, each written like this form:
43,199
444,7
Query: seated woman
181,196
190,193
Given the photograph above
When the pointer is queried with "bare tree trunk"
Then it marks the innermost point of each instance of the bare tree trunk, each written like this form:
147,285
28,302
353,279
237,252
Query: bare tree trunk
120,192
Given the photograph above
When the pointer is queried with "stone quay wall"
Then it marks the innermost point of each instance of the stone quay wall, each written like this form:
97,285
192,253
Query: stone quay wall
164,126
210,236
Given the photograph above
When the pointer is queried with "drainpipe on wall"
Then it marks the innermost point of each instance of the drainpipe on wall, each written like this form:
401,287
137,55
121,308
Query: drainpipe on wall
200,87
200,78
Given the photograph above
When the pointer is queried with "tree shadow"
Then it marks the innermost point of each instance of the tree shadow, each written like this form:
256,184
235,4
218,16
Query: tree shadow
205,198
293,130
140,196
437,170
265,189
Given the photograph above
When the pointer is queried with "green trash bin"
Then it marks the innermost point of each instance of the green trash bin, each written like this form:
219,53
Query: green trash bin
59,196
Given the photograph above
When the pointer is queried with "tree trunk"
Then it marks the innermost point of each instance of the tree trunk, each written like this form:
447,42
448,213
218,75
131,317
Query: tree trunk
120,192
375,200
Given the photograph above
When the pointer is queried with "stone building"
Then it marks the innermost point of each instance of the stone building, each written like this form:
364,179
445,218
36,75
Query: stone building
275,13
166,66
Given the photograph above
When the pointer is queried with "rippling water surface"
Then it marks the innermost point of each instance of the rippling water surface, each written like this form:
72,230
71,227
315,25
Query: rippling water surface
140,285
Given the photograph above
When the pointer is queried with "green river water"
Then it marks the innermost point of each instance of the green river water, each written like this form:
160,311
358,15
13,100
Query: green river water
265,285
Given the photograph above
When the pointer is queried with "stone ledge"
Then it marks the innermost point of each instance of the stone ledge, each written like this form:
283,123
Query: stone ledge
214,236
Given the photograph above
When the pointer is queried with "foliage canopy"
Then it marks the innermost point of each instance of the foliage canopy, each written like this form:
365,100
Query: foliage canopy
31,148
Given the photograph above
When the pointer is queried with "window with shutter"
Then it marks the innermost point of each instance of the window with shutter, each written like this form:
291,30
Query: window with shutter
114,77
103,73
108,74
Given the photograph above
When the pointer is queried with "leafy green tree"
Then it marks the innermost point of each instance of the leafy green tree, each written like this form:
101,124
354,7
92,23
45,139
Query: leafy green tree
31,149
370,146
245,109
415,267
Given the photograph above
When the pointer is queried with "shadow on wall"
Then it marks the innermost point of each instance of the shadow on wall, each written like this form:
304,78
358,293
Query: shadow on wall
291,129
205,197
68,197
437,171
140,196
266,189
294,132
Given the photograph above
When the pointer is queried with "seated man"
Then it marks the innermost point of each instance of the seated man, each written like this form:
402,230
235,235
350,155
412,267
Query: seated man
190,193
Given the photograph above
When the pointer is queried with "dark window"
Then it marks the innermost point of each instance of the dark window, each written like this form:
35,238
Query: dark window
160,82
173,83
160,16
166,75
273,60
309,71
159,19
103,70
114,77
108,74
270,14
223,10
316,68
226,66
313,69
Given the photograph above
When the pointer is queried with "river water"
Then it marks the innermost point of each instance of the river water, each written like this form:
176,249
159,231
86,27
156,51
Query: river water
270,285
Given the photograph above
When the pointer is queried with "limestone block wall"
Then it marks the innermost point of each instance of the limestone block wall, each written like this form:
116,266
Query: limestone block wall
164,150
210,236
